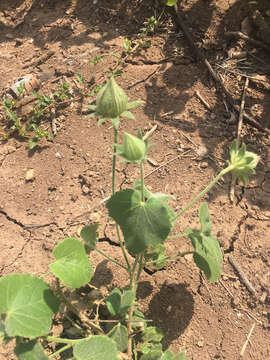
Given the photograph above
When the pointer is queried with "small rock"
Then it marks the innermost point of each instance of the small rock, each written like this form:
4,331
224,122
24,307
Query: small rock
85,189
30,175
200,343
213,116
11,149
204,165
58,155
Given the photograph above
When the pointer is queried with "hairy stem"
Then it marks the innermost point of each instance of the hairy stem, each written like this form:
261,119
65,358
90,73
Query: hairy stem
111,259
64,348
142,180
202,193
113,192
171,257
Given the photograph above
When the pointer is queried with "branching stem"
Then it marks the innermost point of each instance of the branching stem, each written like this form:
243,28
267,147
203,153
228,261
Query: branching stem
208,187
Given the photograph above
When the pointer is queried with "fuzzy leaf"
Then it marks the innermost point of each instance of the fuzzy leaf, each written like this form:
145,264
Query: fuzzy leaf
205,219
207,255
90,235
113,301
152,355
143,224
29,305
98,347
72,265
152,334
31,350
128,115
120,335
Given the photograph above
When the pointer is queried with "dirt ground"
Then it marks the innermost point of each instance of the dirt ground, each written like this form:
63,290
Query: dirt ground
72,171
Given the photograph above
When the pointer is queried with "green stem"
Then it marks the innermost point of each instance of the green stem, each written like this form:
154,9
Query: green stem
111,259
142,180
133,285
171,257
64,348
64,341
122,247
208,187
115,141
177,236
141,266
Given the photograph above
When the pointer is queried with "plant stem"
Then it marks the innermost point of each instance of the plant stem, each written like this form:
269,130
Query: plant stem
111,259
177,236
74,310
142,181
60,351
208,187
64,341
132,286
171,257
115,140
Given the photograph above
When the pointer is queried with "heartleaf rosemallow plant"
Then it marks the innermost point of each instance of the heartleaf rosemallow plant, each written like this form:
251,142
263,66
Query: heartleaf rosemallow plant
144,221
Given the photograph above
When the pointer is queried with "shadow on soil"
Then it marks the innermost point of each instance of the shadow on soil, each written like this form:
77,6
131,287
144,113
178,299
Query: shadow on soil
171,309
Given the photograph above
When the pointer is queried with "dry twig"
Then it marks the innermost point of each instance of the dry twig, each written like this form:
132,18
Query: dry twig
145,79
246,342
242,275
245,37
199,55
205,103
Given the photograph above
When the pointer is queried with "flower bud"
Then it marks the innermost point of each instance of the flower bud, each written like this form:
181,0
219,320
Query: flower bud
112,100
243,162
134,149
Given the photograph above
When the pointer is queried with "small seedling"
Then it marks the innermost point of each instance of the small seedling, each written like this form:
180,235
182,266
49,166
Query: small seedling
143,222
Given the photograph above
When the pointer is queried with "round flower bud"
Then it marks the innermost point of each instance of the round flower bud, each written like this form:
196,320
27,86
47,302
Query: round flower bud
112,100
134,149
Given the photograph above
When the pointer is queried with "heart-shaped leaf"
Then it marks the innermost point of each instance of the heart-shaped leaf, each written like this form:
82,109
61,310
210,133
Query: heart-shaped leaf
143,224
113,301
29,305
31,350
119,334
72,265
97,347
90,235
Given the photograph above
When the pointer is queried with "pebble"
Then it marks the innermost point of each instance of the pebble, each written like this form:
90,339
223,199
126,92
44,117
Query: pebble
204,165
85,189
200,343
30,175
58,155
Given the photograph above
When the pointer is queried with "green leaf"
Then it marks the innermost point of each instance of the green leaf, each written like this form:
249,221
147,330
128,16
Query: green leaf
143,224
92,107
127,299
181,356
29,305
119,334
171,2
167,355
157,255
128,115
33,143
118,303
31,350
205,219
207,255
90,235
72,265
152,334
97,347
145,348
133,104
152,355
113,301
139,317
